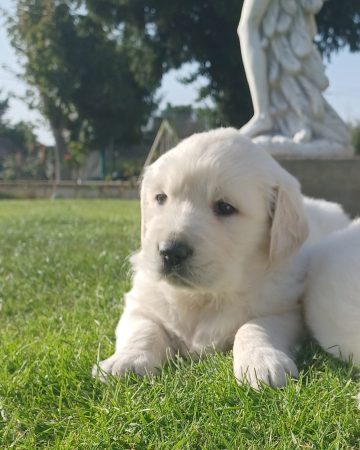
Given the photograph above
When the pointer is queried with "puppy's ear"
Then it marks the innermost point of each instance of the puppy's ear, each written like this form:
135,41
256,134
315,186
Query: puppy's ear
289,228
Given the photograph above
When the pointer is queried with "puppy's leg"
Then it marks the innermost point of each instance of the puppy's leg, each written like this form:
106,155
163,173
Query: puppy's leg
142,346
262,349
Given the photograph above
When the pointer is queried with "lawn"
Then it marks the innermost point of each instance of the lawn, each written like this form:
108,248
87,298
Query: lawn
63,272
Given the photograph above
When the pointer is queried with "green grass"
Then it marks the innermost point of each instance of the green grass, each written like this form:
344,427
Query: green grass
63,271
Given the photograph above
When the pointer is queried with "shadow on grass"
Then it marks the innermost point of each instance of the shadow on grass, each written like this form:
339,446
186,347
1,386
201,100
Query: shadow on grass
312,358
214,370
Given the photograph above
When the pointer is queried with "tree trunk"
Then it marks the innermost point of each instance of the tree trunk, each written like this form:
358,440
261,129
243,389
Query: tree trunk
54,116
61,172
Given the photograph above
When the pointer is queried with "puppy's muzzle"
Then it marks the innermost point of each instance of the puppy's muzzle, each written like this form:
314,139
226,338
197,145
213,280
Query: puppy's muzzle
174,255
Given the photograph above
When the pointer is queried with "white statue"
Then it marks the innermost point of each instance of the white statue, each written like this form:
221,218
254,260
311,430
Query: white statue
286,78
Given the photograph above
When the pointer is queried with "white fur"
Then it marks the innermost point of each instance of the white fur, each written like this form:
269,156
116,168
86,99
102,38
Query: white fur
332,301
324,217
245,277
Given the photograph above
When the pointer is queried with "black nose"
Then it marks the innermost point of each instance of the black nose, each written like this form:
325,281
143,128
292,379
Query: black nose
174,253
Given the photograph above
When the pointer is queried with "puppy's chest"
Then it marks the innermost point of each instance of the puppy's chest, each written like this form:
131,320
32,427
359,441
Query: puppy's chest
204,329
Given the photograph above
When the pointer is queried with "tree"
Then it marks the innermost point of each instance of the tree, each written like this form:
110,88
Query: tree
4,104
21,156
204,31
81,75
21,135
339,26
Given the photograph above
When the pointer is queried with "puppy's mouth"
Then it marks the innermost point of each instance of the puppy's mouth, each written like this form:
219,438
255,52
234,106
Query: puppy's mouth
176,277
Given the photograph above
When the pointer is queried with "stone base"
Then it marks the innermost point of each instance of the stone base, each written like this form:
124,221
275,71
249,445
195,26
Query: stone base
331,179
281,146
69,189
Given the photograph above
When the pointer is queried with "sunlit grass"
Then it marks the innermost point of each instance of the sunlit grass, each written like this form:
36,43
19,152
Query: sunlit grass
63,271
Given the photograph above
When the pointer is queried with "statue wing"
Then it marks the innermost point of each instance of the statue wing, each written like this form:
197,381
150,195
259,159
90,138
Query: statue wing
296,73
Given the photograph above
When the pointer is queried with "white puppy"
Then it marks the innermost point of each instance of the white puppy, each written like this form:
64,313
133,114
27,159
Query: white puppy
332,300
323,218
218,266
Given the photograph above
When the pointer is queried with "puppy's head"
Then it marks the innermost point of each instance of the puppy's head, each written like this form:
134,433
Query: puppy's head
213,209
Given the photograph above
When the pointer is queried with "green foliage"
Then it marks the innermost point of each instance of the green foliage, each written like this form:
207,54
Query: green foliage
182,31
76,154
28,167
63,271
21,136
338,27
128,169
355,137
22,156
4,105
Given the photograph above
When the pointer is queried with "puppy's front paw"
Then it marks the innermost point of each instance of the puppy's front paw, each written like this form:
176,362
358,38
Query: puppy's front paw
120,363
264,364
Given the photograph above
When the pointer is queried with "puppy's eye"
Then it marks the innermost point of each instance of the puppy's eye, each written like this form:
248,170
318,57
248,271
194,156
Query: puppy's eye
222,208
161,198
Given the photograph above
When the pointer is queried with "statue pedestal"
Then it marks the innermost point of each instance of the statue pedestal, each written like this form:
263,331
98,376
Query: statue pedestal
334,179
281,146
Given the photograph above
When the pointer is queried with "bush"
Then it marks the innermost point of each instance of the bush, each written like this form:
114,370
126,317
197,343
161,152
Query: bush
127,169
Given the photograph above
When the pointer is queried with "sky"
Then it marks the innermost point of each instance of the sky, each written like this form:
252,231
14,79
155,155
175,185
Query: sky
343,93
